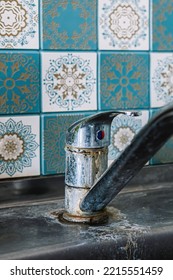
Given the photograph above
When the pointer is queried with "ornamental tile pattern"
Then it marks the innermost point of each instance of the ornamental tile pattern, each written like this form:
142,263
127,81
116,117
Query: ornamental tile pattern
19,82
54,128
123,130
161,79
124,25
69,24
19,146
19,24
124,81
162,27
69,81
62,60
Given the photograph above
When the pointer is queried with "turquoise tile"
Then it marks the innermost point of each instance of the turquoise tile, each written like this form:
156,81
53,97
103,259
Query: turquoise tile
162,20
19,82
69,24
54,127
165,154
124,81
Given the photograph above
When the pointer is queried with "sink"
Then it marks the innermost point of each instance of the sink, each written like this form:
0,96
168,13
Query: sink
140,224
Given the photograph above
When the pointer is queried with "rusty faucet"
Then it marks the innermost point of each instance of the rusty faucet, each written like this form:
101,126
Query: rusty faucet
90,184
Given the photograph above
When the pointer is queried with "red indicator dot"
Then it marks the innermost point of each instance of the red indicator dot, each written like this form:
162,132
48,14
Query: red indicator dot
100,134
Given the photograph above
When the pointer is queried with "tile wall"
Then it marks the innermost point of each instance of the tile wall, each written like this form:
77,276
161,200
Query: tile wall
63,60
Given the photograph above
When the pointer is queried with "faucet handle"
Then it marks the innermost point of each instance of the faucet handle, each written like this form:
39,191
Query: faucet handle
91,132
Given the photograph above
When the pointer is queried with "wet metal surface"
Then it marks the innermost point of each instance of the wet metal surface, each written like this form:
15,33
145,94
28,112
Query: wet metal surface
140,226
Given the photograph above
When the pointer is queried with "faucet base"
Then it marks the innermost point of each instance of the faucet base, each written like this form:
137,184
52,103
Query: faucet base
100,217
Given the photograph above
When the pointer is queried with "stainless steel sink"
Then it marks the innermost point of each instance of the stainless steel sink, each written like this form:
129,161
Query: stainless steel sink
140,222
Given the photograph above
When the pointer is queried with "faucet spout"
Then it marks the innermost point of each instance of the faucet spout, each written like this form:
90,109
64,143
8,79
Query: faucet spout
146,143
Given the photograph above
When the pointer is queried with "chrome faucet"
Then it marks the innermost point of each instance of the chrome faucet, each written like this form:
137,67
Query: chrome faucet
90,185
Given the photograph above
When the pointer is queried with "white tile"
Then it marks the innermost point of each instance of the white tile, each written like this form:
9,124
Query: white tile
69,81
19,146
19,28
123,24
123,130
161,79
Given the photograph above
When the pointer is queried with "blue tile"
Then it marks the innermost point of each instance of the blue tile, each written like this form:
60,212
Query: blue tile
54,127
162,32
165,154
69,24
124,81
19,82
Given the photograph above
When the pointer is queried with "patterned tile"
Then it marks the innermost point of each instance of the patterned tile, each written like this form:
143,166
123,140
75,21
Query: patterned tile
19,146
69,24
161,79
123,130
54,127
124,24
124,81
19,24
19,82
162,26
165,154
69,81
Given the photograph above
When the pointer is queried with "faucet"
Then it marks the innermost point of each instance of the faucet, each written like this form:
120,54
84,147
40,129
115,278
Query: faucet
89,184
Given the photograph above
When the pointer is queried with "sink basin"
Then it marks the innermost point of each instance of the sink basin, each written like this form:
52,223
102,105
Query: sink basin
140,222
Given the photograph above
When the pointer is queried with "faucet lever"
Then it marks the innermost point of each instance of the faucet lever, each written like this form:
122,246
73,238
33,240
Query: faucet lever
91,132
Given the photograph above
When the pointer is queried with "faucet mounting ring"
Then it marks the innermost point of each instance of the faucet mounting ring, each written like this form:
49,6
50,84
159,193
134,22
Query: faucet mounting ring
100,217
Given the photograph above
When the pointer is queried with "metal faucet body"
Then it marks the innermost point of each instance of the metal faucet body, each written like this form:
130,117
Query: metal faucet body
86,148
90,185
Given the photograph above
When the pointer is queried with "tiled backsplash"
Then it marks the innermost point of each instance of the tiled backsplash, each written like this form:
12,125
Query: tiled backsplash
63,60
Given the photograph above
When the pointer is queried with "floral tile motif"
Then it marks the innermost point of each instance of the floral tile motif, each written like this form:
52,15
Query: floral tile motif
123,130
162,28
69,24
165,154
54,127
124,24
161,79
19,24
19,146
69,81
124,81
19,82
